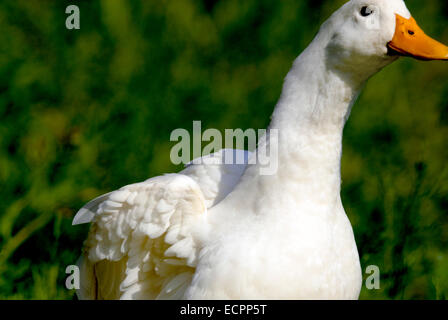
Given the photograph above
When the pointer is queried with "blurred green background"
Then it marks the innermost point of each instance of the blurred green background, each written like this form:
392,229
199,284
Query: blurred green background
84,112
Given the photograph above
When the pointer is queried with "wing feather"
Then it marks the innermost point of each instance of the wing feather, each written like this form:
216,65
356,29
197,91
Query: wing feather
141,244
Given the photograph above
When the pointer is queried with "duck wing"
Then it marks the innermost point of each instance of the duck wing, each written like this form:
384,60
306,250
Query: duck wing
141,244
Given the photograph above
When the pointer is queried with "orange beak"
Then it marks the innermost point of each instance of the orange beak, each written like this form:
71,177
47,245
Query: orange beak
410,40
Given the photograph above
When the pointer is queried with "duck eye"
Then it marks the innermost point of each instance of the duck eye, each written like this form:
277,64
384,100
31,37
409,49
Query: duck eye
366,11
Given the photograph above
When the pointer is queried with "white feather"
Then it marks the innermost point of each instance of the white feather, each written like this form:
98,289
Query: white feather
225,231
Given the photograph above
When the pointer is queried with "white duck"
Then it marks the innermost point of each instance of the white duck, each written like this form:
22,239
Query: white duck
227,232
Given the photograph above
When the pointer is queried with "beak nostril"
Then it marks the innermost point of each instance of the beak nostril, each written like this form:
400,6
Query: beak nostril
411,32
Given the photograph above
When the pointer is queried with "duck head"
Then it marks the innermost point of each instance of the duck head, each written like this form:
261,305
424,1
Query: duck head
365,35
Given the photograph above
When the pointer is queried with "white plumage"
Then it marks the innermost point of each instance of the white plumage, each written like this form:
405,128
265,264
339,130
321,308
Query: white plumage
142,237
224,231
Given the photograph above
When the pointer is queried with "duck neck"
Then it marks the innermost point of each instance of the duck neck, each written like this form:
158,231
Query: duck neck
309,119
